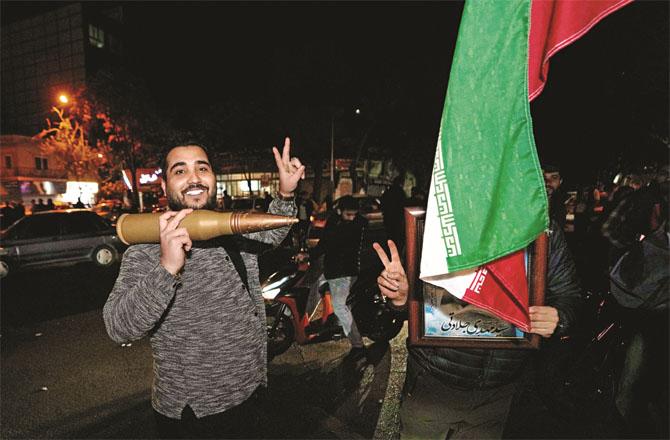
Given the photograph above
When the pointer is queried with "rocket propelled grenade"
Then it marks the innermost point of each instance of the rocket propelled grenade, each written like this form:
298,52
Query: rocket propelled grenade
201,225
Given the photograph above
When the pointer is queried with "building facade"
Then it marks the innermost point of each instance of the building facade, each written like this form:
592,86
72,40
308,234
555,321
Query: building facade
26,173
53,53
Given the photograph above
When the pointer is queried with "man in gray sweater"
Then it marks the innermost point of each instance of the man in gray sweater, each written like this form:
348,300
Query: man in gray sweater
201,306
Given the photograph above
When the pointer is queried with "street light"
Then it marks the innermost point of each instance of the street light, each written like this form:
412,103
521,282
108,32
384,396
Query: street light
63,99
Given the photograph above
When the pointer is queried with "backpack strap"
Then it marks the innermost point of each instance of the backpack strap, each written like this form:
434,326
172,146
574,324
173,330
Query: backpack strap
232,248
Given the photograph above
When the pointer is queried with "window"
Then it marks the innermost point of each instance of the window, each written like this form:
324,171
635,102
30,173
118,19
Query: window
83,223
96,36
38,226
8,161
244,187
41,163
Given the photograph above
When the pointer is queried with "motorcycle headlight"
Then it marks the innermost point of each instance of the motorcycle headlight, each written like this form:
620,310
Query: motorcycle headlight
270,294
271,290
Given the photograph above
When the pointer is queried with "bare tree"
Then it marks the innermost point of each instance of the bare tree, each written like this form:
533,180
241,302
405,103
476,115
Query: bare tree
121,117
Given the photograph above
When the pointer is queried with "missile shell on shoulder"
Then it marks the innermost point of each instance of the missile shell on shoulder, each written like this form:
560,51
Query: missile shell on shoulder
201,224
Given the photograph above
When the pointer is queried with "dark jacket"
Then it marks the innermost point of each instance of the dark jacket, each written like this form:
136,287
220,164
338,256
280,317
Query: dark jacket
488,368
342,242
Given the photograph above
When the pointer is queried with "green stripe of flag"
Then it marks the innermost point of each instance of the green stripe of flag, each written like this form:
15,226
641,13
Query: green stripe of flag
493,201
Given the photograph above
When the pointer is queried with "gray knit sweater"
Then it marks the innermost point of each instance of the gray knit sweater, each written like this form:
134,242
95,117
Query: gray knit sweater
207,332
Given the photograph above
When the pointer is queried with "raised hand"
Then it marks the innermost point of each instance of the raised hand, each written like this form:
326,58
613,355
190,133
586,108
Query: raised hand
290,169
175,241
392,281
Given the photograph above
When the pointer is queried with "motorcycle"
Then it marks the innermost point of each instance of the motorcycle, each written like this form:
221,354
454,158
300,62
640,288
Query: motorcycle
293,299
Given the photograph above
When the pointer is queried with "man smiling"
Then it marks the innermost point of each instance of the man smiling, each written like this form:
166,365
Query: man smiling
186,190
200,304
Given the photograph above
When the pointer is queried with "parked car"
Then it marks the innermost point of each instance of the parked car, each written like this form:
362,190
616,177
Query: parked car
109,210
369,207
54,238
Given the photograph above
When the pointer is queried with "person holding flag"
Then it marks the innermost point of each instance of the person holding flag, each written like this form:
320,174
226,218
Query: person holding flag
467,393
477,238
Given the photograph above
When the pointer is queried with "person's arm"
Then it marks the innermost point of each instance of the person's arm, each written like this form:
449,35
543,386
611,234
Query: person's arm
141,294
290,172
275,236
145,287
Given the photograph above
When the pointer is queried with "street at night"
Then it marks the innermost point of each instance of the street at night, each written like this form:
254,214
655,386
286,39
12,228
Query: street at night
444,219
62,377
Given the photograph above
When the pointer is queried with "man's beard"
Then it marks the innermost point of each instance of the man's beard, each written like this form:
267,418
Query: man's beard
177,204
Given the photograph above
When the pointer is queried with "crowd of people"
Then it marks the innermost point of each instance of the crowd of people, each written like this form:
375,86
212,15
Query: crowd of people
12,211
636,230
15,210
620,239
607,219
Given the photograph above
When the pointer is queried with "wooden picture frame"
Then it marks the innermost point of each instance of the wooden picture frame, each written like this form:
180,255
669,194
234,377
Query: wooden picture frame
513,338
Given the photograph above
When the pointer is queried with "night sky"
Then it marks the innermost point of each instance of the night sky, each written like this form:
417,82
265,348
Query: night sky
606,99
390,61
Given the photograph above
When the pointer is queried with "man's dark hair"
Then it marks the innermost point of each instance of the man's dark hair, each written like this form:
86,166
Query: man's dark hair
550,168
186,143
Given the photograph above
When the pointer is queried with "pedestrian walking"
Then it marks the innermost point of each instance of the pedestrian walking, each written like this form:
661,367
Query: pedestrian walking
341,246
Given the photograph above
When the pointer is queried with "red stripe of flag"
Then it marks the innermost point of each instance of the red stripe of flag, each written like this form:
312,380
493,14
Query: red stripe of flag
554,24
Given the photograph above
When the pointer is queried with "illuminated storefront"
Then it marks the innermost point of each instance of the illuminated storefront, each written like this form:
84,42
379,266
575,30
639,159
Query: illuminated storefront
148,183
84,191
237,184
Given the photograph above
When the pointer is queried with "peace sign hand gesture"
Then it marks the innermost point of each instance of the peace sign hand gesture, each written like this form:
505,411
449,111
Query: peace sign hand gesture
290,169
392,281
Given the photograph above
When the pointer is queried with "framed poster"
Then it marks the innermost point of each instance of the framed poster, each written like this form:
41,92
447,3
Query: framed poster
436,318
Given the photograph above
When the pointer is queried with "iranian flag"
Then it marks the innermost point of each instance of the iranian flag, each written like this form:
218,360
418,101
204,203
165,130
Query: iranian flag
487,199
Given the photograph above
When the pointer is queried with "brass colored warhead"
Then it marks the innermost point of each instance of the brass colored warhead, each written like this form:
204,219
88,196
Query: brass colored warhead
201,224
244,222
